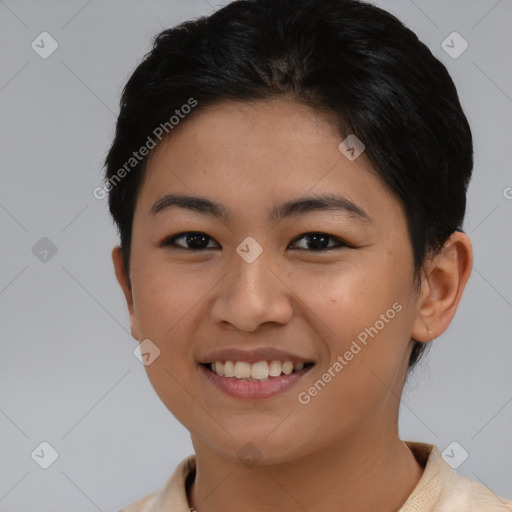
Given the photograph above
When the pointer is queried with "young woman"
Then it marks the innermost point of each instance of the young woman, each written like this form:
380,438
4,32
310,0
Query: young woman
289,182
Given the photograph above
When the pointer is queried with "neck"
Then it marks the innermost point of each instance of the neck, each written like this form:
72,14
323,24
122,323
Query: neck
376,472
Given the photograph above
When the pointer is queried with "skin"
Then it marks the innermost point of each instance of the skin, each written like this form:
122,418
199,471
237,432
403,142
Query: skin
342,450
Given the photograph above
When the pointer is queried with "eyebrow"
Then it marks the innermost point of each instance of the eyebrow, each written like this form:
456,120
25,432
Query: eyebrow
325,202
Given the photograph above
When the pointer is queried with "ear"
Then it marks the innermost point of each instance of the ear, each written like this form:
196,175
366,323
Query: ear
122,279
442,284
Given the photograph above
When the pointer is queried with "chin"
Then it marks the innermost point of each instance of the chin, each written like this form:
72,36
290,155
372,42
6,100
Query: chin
260,450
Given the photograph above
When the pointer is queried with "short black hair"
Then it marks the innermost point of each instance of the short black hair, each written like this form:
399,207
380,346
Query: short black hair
347,58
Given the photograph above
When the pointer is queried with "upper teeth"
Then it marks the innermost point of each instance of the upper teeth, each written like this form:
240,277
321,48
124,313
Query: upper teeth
261,370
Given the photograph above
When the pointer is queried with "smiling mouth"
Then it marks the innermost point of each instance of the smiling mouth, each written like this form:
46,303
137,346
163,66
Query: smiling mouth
255,372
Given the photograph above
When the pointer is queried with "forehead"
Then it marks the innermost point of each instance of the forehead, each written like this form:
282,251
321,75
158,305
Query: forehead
257,154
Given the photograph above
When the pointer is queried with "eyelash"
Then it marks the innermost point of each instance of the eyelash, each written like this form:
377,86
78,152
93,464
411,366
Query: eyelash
170,241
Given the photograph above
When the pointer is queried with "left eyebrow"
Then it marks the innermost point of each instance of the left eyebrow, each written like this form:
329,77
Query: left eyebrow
326,202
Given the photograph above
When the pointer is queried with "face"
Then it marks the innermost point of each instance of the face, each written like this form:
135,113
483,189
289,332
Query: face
261,275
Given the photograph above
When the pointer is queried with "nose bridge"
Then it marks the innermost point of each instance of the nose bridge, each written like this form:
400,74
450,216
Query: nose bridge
249,281
251,272
251,294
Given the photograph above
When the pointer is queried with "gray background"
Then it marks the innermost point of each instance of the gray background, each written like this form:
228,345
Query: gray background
68,375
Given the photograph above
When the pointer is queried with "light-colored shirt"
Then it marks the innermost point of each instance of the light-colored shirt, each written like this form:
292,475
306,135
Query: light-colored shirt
440,489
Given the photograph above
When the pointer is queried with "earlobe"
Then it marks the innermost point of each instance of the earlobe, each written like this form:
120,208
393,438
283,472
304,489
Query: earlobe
443,283
122,279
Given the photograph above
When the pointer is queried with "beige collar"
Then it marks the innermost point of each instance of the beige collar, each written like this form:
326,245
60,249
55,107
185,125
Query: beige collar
440,488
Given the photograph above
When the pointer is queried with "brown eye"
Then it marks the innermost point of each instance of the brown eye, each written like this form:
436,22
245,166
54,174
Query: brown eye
192,240
320,242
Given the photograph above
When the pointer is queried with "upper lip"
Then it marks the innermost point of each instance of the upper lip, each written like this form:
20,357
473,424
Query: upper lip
253,356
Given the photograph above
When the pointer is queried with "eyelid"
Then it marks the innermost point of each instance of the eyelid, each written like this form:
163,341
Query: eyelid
169,240
340,242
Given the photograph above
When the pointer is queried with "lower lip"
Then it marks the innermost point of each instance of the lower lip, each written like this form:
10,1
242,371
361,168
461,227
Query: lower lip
240,388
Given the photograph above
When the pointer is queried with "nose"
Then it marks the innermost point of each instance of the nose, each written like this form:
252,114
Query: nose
252,294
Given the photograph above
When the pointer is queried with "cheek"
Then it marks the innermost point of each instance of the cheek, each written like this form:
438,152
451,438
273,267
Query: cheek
365,304
163,297
166,307
352,295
